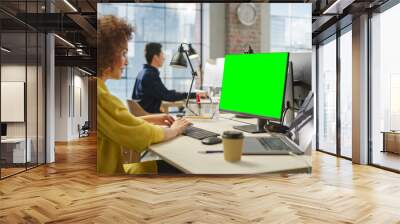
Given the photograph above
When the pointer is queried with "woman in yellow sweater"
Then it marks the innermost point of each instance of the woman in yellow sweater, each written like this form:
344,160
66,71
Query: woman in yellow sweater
117,128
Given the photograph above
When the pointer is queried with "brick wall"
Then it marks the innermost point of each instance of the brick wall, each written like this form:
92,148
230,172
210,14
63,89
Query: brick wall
239,36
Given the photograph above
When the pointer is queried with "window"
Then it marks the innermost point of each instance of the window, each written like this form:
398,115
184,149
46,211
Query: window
290,27
22,76
334,95
170,24
327,96
385,86
346,93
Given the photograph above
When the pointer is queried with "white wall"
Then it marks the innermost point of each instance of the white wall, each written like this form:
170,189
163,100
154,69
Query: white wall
213,31
265,28
10,73
16,73
80,109
71,103
33,127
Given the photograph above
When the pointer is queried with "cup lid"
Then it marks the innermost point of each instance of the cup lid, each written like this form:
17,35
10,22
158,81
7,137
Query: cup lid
232,134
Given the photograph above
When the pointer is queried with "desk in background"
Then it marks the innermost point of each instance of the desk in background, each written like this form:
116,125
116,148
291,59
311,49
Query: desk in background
391,141
165,105
13,150
205,103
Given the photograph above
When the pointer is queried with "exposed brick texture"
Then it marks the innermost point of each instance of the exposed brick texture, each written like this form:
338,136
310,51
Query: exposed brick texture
239,36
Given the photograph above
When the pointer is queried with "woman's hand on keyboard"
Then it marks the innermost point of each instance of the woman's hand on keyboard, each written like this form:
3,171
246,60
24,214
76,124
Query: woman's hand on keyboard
176,128
180,125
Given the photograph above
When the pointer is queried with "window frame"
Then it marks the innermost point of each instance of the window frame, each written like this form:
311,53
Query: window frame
381,9
333,37
164,75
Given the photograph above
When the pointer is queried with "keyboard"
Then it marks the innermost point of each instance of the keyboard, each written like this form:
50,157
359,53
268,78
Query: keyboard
198,133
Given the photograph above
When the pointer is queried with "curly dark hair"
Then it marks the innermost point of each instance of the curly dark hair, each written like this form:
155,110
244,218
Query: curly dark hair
112,34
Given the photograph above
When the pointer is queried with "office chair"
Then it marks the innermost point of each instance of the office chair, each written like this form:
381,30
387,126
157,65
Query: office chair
84,129
136,109
130,155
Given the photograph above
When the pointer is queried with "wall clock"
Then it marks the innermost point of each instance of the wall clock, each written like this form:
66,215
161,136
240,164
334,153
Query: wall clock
247,13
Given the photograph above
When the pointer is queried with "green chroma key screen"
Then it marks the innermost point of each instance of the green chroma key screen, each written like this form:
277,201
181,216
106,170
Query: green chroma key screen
254,84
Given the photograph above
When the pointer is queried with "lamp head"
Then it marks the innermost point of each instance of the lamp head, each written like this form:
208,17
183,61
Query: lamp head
192,53
249,51
179,60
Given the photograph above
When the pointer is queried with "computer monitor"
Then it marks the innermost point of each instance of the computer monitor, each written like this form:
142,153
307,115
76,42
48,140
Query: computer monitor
254,85
212,76
3,129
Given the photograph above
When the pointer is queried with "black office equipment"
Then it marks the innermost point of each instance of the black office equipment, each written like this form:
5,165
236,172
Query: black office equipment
262,92
211,151
198,133
301,74
211,140
3,129
84,129
276,127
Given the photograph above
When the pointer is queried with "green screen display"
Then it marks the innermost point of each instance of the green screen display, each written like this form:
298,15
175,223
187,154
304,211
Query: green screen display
254,84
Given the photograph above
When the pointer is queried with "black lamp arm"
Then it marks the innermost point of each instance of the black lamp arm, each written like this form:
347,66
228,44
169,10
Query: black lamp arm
190,91
194,73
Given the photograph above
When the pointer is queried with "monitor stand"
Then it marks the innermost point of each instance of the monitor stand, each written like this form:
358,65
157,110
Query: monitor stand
251,128
242,116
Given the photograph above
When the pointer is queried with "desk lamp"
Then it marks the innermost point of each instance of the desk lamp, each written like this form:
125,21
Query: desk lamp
179,61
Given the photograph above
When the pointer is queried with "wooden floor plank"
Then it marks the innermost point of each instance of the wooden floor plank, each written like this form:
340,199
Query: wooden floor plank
70,191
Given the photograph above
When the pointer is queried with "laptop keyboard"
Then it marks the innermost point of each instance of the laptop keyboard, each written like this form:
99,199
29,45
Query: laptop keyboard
198,133
271,143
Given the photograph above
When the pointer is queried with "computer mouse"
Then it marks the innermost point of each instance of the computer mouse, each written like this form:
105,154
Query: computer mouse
211,141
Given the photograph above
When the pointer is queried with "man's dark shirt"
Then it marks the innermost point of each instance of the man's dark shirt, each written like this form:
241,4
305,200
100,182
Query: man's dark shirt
150,90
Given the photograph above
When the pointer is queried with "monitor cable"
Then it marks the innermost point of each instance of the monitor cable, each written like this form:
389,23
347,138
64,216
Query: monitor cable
278,127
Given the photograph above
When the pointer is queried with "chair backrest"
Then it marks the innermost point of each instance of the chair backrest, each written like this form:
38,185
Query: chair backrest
136,109
128,155
86,125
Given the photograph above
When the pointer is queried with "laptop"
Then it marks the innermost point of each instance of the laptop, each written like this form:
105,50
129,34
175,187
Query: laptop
270,145
281,144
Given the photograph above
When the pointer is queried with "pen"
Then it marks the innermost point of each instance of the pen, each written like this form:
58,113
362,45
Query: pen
211,151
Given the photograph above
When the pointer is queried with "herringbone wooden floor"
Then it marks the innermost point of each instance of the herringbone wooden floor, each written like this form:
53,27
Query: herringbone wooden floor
70,191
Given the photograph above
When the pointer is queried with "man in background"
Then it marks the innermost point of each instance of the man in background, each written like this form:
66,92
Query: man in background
149,89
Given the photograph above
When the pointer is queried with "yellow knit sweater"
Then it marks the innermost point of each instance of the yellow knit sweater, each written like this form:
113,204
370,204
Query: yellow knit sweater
118,128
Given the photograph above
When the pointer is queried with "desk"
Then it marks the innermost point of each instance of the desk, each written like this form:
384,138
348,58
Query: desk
13,150
183,153
391,141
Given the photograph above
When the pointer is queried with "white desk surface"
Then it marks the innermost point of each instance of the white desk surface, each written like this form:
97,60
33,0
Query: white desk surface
183,153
